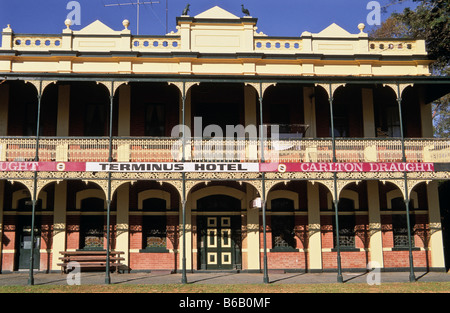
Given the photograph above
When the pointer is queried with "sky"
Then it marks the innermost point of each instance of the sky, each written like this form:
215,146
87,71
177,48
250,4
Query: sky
275,17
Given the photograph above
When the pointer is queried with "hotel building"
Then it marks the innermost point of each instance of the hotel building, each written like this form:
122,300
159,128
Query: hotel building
331,164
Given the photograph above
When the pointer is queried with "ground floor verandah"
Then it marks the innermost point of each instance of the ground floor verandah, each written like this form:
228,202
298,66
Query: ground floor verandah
219,278
220,225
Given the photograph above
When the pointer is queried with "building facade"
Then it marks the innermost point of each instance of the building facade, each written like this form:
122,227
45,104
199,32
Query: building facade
326,160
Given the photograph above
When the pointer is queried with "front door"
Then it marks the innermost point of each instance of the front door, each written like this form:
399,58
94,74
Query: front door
24,242
218,246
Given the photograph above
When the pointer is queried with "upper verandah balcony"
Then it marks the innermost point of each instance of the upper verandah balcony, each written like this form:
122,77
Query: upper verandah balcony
213,42
82,149
74,127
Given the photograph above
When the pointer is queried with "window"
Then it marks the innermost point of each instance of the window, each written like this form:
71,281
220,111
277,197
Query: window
393,122
154,233
346,231
92,232
398,204
346,205
400,230
340,121
389,121
94,120
154,120
25,204
218,203
29,127
92,204
154,205
283,234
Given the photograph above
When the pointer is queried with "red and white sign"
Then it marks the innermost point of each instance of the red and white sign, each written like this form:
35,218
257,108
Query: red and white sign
133,167
347,167
213,167
42,166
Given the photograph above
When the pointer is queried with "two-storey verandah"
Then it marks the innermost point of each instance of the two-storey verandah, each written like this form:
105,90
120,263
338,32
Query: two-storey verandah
300,207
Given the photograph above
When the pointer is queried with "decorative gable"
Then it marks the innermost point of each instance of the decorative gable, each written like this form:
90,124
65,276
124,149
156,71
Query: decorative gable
97,28
334,30
216,13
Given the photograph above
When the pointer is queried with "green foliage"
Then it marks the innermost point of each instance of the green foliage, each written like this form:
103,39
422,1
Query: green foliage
441,117
430,21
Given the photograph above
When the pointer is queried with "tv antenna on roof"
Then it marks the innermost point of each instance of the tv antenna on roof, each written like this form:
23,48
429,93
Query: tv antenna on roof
138,3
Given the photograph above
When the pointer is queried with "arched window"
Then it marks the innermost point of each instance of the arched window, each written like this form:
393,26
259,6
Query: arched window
346,204
222,203
347,224
154,205
154,233
400,225
92,231
154,227
282,224
92,204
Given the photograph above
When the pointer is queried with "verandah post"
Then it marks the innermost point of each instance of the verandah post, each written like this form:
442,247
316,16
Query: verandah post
108,200
183,200
336,196
412,277
263,196
33,209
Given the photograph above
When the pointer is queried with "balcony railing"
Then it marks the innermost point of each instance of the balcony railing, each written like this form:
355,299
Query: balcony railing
77,149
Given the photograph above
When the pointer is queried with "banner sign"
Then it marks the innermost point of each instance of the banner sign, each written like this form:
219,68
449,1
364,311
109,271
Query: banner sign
212,167
347,167
172,167
42,166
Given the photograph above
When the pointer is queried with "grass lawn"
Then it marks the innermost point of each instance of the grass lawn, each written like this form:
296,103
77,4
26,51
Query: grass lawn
418,287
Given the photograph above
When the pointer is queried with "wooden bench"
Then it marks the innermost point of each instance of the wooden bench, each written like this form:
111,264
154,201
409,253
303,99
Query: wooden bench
93,260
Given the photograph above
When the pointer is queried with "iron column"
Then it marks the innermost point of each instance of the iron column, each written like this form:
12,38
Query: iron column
33,209
263,196
336,196
412,277
108,201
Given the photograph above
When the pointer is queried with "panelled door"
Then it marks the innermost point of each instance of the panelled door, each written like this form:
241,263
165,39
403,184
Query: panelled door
24,244
218,244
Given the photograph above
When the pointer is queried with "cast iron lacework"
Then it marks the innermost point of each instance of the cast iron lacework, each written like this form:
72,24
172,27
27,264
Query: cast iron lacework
280,242
156,239
347,238
93,240
346,232
400,231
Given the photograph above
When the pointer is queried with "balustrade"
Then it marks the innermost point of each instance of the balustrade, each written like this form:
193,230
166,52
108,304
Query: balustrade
215,150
